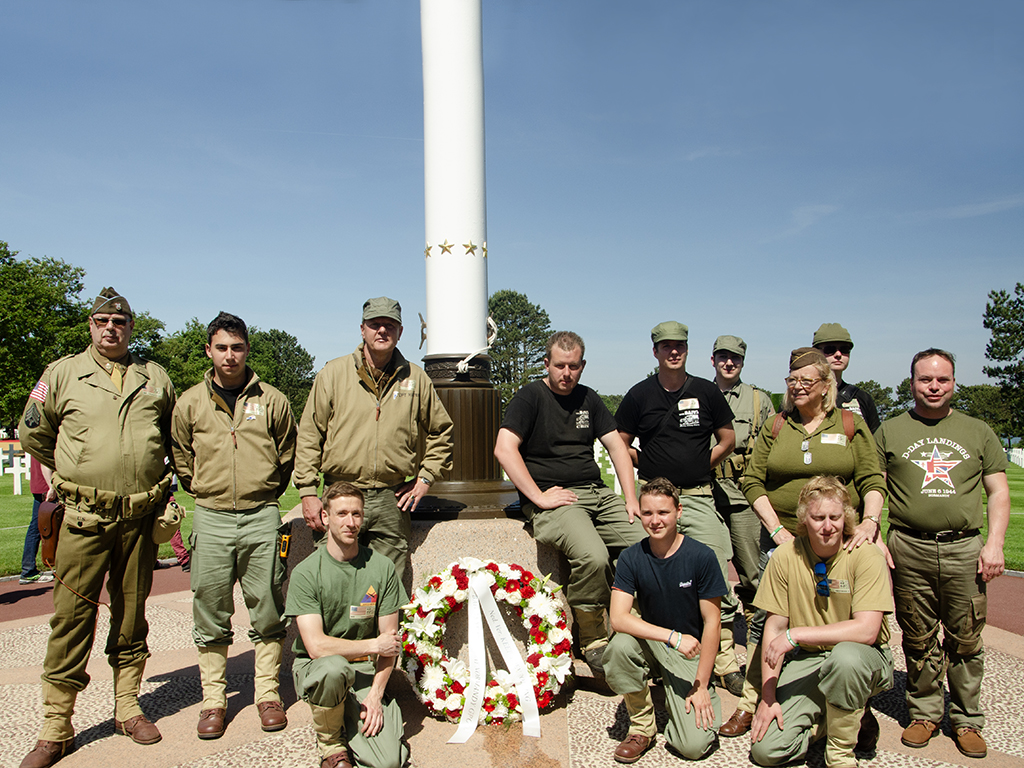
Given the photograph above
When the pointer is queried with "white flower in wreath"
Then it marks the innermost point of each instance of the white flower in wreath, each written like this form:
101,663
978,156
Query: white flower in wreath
558,666
430,599
500,710
411,665
457,670
508,572
433,678
462,595
422,625
448,586
471,564
506,682
541,605
556,635
502,596
454,702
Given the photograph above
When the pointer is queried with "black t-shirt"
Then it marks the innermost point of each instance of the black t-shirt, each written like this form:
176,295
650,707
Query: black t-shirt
230,396
674,428
669,590
558,433
855,399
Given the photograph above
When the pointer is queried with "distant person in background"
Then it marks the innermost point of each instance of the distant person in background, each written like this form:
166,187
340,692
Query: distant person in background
39,485
937,463
834,342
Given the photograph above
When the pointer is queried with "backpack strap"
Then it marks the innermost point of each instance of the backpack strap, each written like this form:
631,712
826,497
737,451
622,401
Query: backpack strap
780,419
848,426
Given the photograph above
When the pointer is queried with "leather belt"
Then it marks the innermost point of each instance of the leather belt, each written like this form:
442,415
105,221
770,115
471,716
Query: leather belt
940,536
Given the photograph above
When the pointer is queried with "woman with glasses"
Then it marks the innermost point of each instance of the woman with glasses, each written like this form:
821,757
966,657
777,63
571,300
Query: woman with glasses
810,437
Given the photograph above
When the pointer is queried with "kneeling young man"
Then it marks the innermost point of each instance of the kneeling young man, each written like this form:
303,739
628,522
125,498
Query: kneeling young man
825,639
678,587
345,601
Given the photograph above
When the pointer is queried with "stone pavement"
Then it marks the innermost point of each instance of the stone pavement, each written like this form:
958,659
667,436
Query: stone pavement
581,731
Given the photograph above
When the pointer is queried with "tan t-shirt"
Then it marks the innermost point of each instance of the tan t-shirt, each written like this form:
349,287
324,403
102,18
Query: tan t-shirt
858,581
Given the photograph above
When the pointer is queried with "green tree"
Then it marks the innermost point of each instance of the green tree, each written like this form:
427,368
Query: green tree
183,355
611,402
146,334
42,319
279,359
882,396
985,402
517,354
1004,319
904,398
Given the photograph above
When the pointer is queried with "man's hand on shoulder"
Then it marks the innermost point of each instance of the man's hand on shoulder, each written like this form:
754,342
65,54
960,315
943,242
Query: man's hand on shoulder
311,508
556,496
387,644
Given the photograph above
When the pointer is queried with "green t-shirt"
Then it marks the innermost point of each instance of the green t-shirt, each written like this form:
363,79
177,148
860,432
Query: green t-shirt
349,596
858,581
935,467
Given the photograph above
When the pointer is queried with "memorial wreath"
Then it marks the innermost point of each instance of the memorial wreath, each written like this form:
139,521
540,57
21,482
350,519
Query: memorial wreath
441,682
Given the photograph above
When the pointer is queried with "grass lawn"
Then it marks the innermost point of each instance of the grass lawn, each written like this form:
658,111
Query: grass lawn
16,511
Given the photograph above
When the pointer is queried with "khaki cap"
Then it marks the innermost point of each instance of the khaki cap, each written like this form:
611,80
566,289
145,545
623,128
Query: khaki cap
670,330
382,307
730,344
831,333
802,356
111,302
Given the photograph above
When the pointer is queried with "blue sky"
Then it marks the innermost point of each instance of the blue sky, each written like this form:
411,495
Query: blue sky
754,168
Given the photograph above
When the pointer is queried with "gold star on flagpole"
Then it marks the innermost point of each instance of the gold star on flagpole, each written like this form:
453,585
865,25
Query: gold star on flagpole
484,246
470,248
446,247
426,251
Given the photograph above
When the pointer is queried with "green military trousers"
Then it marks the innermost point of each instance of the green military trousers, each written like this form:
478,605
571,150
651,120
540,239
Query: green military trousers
846,677
591,534
230,546
386,528
334,681
937,584
630,662
122,551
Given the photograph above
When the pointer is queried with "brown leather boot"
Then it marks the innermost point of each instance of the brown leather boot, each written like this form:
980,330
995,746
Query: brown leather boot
139,729
211,723
47,753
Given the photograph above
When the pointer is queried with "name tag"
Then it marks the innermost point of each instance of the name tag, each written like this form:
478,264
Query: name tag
833,439
689,404
253,409
842,586
367,606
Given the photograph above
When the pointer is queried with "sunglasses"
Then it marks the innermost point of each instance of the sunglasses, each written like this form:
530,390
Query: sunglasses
821,579
101,322
830,349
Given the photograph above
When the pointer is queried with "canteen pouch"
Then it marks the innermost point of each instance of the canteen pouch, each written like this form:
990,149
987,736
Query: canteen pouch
50,520
167,522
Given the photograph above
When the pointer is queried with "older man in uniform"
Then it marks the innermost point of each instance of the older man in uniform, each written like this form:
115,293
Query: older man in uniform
676,415
834,342
546,447
937,463
374,419
101,419
234,449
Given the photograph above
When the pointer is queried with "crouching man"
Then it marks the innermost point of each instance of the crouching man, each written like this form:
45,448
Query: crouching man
678,587
825,639
345,601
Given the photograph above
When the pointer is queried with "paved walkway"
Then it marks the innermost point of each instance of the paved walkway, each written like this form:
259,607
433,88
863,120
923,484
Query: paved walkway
580,732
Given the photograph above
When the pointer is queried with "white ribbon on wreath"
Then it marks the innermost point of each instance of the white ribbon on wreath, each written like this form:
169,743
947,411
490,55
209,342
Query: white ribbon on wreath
482,601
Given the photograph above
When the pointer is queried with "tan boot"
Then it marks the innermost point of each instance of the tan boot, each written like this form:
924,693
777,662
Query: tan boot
129,719
268,700
213,672
329,727
593,637
842,727
58,706
640,707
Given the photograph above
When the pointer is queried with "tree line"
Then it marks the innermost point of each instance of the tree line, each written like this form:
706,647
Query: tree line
43,317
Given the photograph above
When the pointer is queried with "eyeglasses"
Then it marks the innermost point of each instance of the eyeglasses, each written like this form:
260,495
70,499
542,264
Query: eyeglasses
118,320
795,383
821,579
830,349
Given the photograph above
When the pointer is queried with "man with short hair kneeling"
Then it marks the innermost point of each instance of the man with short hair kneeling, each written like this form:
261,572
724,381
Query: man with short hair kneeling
345,601
825,640
678,586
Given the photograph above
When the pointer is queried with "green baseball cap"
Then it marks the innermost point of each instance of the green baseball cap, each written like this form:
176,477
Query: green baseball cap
382,307
670,330
831,333
730,344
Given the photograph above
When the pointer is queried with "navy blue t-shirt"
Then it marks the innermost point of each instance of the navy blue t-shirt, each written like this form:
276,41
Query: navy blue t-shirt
669,590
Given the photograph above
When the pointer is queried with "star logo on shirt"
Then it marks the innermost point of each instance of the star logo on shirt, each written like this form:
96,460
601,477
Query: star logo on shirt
936,467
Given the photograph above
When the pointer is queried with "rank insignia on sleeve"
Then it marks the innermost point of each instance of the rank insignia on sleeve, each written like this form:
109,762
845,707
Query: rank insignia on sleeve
32,417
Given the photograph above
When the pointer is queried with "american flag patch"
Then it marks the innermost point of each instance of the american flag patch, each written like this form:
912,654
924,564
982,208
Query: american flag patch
39,391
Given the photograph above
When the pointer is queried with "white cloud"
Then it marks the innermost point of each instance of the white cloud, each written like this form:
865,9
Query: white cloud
971,210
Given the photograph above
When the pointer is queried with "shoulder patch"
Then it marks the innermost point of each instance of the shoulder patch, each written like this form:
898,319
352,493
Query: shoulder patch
32,417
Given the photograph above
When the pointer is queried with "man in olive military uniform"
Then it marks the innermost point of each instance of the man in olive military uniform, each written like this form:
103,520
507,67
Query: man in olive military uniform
835,344
234,449
101,420
373,419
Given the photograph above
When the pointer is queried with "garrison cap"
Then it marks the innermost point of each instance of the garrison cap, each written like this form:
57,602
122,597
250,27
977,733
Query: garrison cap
382,307
730,344
670,330
111,302
802,356
831,333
